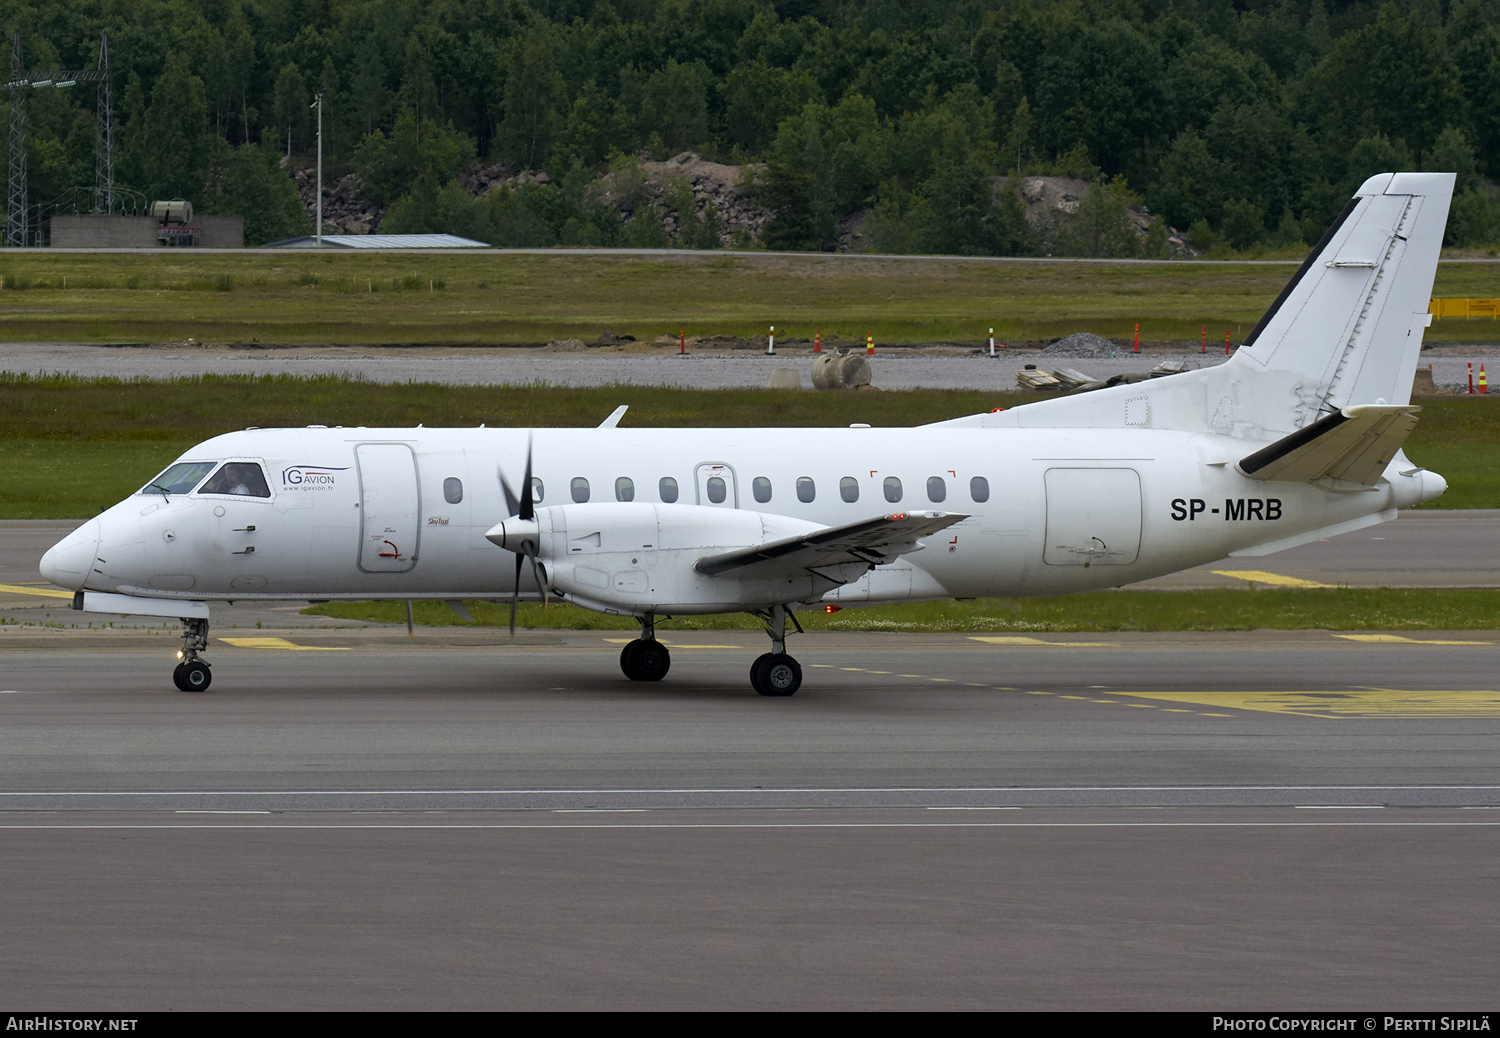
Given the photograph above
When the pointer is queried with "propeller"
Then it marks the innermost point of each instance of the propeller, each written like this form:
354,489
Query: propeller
524,510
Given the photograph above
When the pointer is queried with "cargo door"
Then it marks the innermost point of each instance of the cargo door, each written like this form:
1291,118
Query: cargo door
388,505
1093,517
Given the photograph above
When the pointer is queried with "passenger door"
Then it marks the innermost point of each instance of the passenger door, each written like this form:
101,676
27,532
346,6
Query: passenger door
389,506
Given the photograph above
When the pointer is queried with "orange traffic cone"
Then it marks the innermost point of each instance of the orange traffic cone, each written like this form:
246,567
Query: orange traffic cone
818,341
870,345
1484,386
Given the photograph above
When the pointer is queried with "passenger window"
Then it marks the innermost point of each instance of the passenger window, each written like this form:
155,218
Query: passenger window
892,489
453,490
240,478
806,489
580,489
979,489
667,488
761,488
849,489
537,490
179,479
716,490
937,488
624,489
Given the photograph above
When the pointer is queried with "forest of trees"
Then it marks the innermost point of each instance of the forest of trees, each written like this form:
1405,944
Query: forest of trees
1246,122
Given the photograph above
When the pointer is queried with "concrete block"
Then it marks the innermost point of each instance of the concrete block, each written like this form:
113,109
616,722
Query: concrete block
97,231
221,232
785,378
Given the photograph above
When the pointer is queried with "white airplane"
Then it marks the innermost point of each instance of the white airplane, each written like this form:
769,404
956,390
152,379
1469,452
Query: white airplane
1296,438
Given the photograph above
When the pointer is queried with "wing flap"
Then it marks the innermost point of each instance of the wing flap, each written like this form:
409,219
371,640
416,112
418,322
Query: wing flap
865,543
1354,444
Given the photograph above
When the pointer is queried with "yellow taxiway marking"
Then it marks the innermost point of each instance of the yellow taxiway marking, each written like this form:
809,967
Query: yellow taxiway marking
674,645
1016,639
17,589
1396,639
281,643
1355,702
1260,576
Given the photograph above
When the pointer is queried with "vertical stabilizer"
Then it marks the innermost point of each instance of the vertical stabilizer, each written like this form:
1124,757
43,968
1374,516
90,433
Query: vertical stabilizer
1348,327
1346,330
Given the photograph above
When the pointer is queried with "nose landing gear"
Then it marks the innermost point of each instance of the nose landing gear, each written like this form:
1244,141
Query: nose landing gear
192,674
646,659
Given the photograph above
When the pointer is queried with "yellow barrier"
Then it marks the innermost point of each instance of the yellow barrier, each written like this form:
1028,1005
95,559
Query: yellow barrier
1465,308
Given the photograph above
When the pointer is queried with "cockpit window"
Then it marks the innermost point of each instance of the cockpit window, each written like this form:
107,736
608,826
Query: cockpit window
240,478
179,479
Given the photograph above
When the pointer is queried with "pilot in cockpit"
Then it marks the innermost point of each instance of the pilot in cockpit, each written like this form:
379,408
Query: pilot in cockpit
240,478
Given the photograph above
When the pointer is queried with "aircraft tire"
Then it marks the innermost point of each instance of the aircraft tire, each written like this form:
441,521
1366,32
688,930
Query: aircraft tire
776,674
652,660
193,677
645,660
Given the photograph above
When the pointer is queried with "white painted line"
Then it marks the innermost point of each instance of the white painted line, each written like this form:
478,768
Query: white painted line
795,825
707,789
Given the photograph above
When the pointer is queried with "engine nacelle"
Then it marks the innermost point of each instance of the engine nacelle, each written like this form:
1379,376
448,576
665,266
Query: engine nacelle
633,558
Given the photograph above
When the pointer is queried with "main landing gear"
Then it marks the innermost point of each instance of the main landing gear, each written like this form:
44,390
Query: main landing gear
646,659
192,674
773,674
776,673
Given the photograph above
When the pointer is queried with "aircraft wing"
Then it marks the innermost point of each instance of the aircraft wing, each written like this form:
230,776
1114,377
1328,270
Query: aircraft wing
1353,444
868,542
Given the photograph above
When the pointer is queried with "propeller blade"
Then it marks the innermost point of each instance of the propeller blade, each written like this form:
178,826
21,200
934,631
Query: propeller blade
535,574
515,597
527,512
512,503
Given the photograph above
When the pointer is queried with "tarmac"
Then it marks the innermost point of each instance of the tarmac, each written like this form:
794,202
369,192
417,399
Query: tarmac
355,819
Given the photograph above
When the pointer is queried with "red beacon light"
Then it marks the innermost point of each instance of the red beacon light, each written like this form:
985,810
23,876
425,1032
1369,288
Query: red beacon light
831,608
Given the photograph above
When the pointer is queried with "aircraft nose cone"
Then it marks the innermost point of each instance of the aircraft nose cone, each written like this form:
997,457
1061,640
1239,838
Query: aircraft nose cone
68,562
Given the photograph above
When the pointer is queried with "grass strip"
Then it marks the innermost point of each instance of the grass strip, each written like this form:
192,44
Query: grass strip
359,297
1335,609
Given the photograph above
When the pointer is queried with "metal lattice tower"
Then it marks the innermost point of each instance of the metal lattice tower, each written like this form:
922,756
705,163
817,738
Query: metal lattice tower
22,81
15,194
104,146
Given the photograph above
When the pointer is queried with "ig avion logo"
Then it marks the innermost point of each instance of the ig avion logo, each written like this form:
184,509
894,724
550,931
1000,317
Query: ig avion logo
310,477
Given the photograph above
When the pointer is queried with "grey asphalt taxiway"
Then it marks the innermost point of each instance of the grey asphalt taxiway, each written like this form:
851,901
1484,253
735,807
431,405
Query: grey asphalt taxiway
351,819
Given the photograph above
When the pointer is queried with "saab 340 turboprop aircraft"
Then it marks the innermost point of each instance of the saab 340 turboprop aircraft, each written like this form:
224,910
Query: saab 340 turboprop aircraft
1297,437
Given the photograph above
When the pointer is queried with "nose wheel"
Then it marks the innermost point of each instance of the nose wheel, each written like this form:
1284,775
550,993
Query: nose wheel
192,674
192,677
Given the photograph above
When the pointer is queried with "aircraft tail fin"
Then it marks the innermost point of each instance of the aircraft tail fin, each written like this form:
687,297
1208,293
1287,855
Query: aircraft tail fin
1346,330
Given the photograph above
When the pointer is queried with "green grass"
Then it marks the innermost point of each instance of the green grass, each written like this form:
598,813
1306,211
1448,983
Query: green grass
1342,609
62,479
70,446
357,297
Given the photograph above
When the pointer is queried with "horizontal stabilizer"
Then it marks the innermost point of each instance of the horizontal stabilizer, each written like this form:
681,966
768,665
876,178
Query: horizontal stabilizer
869,541
1354,444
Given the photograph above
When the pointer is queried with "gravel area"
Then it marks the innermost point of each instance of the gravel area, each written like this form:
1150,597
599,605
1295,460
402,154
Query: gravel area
896,368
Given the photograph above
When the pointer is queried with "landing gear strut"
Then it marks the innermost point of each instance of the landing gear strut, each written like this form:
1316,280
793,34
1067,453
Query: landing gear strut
192,674
776,673
646,659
